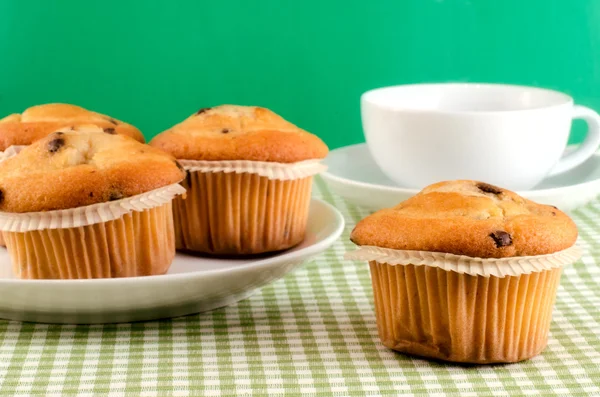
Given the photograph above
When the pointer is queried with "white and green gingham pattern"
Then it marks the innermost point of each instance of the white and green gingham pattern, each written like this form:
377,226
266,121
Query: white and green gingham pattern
312,333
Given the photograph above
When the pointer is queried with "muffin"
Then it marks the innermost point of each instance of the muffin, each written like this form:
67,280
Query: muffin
39,121
249,180
20,130
87,204
466,272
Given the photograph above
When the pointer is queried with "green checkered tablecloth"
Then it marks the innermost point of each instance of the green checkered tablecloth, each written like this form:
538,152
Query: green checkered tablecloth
312,333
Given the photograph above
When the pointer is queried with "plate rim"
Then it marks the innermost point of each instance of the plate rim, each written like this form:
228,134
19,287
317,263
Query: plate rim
393,189
285,257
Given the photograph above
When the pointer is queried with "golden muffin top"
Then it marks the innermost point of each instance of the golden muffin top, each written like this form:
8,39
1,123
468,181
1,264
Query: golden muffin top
231,132
468,218
38,121
69,169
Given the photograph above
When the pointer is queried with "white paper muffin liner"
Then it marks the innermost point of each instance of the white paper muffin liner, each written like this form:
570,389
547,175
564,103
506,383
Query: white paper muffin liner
11,151
486,267
279,171
87,215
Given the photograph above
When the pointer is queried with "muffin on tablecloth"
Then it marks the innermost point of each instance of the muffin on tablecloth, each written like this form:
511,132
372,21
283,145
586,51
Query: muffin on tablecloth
87,204
249,180
465,271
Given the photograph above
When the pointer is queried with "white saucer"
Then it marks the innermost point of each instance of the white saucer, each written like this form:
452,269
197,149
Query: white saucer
353,175
193,284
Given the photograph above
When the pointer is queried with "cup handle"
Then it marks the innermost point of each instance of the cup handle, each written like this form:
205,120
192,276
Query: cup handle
589,145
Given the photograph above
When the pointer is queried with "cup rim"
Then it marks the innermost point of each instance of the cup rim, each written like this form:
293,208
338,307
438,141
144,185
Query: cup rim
562,99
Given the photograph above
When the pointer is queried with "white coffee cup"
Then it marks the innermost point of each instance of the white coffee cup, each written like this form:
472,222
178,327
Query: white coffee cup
511,136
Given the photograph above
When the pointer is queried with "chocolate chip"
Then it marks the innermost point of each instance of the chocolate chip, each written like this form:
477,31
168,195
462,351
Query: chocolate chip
501,238
59,133
113,121
1,196
91,194
225,130
55,144
487,188
553,213
110,130
114,195
202,110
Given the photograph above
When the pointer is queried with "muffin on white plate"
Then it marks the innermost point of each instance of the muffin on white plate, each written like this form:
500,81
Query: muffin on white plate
87,204
20,130
249,180
39,121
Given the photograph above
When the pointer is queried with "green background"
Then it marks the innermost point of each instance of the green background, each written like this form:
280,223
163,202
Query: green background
153,63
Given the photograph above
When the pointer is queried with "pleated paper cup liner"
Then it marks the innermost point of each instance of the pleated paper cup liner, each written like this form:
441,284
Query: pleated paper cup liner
277,171
235,208
441,306
123,238
486,267
10,151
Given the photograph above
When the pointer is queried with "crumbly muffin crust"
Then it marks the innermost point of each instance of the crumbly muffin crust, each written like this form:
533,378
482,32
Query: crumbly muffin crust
69,169
468,218
38,121
231,132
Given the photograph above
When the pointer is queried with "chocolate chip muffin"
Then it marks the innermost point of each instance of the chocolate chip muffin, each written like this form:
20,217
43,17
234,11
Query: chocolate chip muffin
249,180
20,130
86,204
465,271
39,121
10,152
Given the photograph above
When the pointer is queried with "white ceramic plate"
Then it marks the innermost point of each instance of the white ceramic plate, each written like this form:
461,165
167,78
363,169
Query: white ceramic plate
353,175
193,284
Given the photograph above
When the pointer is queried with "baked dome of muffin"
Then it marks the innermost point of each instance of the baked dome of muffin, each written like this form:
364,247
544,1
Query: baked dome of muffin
38,121
490,302
468,218
69,169
230,132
